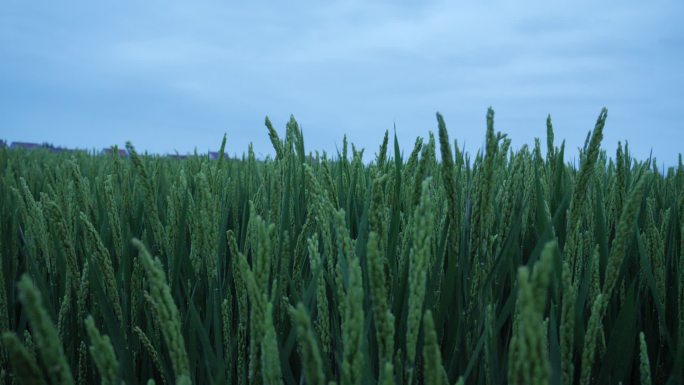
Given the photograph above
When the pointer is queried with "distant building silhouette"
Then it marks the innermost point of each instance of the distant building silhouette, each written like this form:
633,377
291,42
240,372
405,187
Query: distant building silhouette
36,146
213,155
119,151
25,145
55,149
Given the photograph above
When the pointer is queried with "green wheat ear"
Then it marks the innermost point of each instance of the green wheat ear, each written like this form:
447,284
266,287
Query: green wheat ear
382,314
4,320
586,171
448,178
528,356
24,366
104,262
270,357
645,366
311,355
618,251
275,140
419,264
166,313
103,354
353,335
44,333
432,358
387,377
567,326
591,338
149,348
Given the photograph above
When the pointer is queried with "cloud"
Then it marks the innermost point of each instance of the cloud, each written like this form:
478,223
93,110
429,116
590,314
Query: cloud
196,70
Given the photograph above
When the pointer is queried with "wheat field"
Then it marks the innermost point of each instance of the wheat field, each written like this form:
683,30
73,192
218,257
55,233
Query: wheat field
527,266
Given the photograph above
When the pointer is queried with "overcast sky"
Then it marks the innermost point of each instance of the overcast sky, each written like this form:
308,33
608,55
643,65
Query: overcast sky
175,75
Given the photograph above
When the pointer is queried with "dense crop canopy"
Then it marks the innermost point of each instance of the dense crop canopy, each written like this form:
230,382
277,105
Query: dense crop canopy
507,267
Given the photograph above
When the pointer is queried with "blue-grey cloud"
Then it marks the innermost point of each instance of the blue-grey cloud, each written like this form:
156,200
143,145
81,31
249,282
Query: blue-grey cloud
175,75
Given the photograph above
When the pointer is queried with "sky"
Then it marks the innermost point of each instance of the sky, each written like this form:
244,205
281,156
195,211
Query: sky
174,76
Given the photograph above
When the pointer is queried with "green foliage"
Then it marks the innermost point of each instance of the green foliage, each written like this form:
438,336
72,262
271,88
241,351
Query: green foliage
103,354
528,357
44,333
165,311
304,268
22,362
